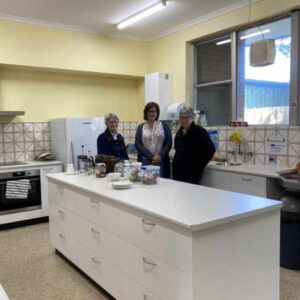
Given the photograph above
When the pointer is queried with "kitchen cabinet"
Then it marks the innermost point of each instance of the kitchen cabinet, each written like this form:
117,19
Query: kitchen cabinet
136,246
44,186
235,182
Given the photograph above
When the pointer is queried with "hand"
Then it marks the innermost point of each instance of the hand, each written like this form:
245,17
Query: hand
156,159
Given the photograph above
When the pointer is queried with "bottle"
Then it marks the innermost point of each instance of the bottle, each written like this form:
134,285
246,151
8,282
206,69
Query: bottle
202,119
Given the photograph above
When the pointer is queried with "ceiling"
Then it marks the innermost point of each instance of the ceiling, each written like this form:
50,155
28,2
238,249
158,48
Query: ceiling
101,16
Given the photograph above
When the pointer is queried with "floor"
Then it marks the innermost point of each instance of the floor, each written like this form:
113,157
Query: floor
30,270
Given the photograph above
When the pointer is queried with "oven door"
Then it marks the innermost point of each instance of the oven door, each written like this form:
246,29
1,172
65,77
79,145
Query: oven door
33,197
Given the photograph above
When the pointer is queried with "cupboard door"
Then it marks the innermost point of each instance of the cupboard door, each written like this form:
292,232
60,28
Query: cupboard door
44,186
107,276
249,184
132,290
169,245
216,179
160,278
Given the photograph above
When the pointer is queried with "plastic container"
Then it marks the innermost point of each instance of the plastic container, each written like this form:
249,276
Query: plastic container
290,232
134,171
214,136
150,174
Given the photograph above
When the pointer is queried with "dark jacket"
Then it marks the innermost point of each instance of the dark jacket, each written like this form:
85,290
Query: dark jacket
107,145
193,151
145,156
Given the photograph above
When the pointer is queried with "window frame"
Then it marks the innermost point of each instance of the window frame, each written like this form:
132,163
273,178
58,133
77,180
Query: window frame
294,96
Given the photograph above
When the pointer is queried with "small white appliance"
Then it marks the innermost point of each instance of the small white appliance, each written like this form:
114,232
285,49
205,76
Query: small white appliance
173,111
71,137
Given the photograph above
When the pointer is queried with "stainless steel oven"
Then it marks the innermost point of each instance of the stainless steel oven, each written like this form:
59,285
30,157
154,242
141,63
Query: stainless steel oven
12,198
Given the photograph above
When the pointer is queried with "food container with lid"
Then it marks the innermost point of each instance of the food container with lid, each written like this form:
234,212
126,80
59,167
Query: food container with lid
134,171
150,174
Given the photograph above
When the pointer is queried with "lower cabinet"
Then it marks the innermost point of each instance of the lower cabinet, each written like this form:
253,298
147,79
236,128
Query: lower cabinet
130,263
235,182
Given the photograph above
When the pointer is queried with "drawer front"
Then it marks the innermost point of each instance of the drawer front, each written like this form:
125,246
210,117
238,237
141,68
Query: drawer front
169,245
160,278
98,212
63,219
105,244
248,184
216,179
131,290
62,196
63,243
107,276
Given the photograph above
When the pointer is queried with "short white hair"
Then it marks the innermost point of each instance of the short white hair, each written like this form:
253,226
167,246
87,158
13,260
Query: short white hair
110,116
187,111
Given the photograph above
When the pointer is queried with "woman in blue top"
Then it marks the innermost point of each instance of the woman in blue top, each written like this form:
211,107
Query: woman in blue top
110,142
153,140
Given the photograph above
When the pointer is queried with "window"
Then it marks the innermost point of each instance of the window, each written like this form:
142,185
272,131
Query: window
213,80
228,88
263,92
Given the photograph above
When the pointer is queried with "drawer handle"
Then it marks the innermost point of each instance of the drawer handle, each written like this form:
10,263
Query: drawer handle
94,200
62,236
247,179
47,169
61,212
146,261
96,261
148,223
60,187
95,231
145,297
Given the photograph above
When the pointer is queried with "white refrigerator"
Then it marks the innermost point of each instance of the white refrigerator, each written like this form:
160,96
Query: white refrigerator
71,137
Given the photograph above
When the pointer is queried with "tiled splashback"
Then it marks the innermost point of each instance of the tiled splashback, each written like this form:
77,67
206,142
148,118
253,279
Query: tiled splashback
23,141
253,150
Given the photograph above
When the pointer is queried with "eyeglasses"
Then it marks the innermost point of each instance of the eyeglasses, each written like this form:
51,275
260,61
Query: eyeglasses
184,117
152,111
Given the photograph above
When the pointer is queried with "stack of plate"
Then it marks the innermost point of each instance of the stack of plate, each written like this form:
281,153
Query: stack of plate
120,185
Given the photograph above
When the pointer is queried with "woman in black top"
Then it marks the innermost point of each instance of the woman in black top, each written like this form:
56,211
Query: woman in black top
110,142
194,149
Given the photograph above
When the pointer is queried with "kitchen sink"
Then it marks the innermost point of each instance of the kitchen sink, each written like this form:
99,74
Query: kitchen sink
228,163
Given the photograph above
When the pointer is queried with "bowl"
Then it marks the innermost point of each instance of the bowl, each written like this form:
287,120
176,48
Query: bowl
114,176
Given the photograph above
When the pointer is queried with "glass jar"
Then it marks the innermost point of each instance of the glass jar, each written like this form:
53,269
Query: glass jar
100,170
134,171
150,174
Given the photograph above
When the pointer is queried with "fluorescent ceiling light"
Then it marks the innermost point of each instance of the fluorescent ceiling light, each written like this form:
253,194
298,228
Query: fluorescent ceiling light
223,42
255,34
142,14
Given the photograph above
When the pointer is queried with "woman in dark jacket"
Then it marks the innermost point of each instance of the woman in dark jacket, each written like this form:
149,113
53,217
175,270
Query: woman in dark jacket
153,140
110,142
194,149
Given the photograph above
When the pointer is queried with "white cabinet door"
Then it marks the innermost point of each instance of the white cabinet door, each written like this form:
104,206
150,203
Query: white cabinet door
160,278
131,290
99,270
169,245
44,186
249,184
216,179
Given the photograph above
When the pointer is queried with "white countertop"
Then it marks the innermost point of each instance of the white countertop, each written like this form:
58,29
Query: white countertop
249,169
29,165
193,207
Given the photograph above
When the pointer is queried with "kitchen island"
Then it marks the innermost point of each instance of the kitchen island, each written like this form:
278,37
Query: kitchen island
169,241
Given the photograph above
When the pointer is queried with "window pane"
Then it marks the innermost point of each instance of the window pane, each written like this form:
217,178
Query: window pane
216,102
213,60
263,92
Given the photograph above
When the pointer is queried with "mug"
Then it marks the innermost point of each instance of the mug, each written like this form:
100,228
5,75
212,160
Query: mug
70,169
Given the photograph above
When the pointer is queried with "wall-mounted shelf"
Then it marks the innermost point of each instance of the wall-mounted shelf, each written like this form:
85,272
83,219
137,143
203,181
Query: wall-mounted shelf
11,113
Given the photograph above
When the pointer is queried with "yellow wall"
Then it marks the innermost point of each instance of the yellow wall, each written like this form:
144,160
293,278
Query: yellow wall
45,95
40,46
172,53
